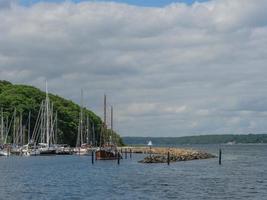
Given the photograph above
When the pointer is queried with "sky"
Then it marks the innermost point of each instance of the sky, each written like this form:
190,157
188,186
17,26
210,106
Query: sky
151,3
168,69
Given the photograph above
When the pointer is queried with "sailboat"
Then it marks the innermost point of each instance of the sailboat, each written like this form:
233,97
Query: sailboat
43,131
46,147
18,134
107,149
82,143
3,149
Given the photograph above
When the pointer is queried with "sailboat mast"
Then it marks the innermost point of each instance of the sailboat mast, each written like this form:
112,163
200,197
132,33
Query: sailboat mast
14,127
2,126
29,127
111,117
20,138
56,129
81,119
51,110
87,129
47,117
111,123
42,129
23,134
105,110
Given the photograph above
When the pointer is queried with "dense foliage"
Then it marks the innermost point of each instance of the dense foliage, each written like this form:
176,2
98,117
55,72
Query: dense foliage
202,139
27,98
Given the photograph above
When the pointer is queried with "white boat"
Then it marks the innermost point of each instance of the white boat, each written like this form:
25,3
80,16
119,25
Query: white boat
16,150
32,152
63,149
45,149
3,152
84,150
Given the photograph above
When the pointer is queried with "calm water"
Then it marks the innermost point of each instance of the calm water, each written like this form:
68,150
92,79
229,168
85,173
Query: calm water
243,175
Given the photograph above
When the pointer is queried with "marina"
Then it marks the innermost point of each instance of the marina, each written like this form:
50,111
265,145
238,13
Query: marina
39,133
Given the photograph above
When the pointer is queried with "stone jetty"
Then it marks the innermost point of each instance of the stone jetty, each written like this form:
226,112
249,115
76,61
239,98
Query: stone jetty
159,155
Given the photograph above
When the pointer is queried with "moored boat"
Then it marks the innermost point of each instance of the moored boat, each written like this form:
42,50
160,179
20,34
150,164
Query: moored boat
45,149
106,153
45,131
63,149
32,152
3,152
108,149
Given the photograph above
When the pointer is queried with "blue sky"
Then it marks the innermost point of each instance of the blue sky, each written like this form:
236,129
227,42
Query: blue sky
154,3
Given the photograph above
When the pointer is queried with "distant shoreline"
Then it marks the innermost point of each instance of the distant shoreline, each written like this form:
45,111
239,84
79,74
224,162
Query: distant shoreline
229,139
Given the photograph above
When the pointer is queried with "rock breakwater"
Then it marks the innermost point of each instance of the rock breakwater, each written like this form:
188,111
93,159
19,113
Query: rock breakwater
159,155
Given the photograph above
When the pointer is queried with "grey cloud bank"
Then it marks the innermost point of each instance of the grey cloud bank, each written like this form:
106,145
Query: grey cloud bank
172,71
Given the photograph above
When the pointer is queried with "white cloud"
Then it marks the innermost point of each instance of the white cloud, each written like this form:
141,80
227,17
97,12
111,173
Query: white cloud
176,70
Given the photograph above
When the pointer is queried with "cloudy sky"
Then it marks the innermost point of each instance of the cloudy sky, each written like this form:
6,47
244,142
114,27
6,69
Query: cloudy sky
170,68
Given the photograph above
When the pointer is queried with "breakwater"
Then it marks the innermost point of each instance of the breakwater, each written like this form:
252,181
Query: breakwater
160,154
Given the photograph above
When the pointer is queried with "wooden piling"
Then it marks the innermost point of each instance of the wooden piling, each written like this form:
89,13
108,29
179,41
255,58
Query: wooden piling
93,159
131,153
220,157
125,153
118,157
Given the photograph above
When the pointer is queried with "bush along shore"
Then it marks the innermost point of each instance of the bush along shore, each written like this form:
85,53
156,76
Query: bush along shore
160,155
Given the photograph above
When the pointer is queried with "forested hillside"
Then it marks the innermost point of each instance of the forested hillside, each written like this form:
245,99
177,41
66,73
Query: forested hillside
28,99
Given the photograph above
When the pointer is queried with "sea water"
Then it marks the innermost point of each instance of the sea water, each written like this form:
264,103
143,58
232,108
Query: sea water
242,175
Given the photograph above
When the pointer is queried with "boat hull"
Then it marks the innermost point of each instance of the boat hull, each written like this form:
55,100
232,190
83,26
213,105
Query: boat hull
48,152
32,153
105,155
3,153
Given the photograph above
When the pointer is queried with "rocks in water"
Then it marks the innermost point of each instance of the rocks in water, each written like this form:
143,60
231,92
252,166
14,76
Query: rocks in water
177,155
154,159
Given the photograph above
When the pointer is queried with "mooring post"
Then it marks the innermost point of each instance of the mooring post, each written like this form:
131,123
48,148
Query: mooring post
125,153
168,158
93,159
131,153
118,157
220,157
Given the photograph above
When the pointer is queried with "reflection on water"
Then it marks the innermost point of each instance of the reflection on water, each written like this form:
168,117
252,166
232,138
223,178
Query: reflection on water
242,175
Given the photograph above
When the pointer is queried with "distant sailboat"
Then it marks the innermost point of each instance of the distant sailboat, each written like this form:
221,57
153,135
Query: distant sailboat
3,150
82,143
